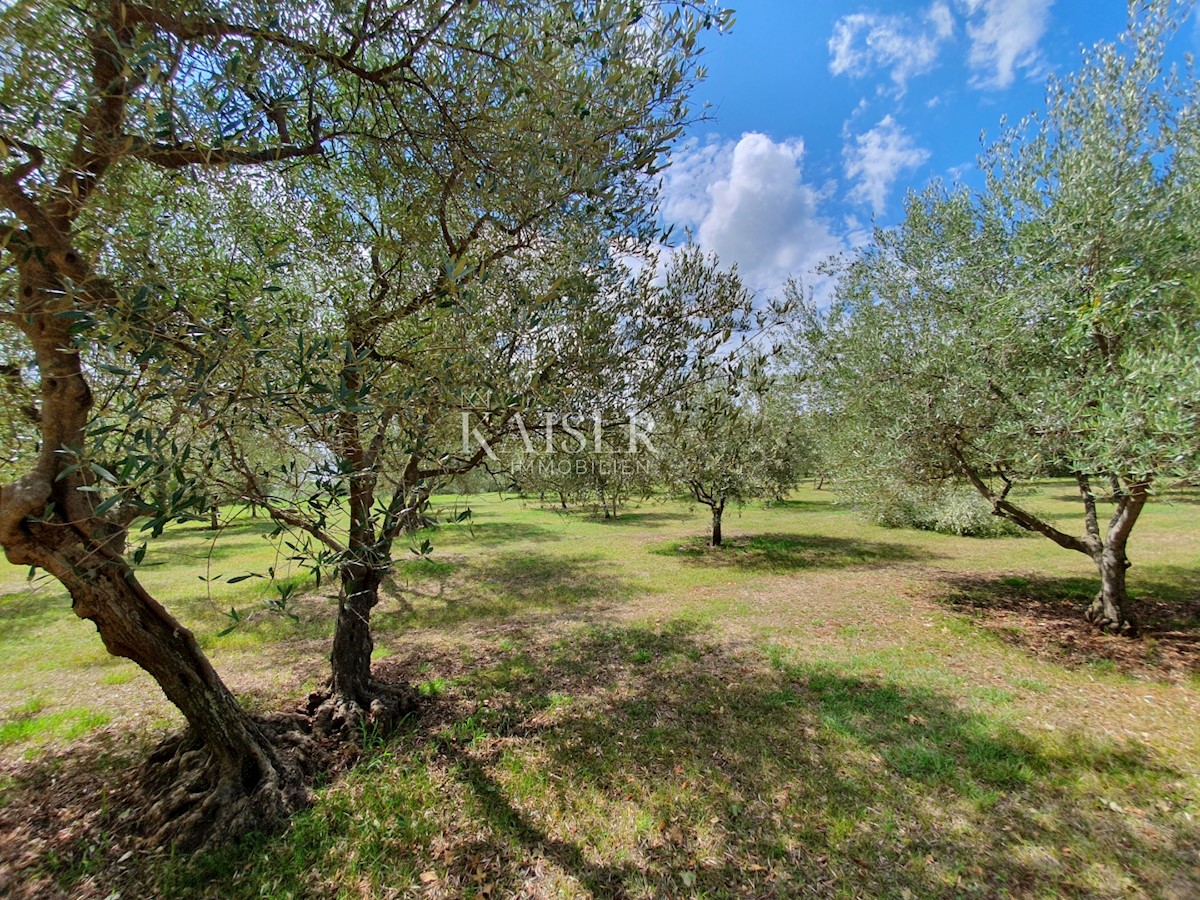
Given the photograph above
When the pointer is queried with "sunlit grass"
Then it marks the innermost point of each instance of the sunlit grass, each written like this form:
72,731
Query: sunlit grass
613,708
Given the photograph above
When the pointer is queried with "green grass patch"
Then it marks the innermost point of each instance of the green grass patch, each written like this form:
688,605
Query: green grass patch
33,723
613,709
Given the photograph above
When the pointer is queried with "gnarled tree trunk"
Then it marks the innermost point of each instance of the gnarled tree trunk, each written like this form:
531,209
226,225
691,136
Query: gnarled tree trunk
227,775
1111,609
357,705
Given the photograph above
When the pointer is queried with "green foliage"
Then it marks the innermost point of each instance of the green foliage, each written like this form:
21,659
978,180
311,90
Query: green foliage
722,434
1050,323
947,509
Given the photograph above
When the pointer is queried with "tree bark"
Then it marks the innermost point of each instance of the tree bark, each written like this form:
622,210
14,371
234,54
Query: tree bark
352,640
1111,610
234,778
717,511
356,704
415,517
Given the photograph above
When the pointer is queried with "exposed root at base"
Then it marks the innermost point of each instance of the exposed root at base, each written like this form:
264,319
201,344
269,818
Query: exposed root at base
1109,623
375,711
196,800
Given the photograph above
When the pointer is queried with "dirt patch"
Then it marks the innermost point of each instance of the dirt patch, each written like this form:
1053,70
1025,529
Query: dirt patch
1045,617
77,821
67,813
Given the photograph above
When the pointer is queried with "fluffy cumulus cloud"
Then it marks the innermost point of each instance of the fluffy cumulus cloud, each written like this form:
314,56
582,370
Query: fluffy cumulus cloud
1004,38
748,201
904,45
876,158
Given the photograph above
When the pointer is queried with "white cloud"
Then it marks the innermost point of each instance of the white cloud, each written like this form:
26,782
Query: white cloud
748,201
907,46
876,159
941,18
694,167
1004,37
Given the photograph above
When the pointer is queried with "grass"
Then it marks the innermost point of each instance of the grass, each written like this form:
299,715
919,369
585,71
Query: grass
32,723
612,709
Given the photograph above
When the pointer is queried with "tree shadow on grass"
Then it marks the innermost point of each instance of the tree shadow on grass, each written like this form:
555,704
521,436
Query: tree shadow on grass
1185,496
649,762
242,525
638,519
1165,498
491,534
32,606
824,506
791,552
639,761
1045,615
506,585
198,542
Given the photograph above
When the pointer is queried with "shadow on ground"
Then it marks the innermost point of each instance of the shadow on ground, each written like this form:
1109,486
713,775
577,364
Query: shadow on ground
1167,497
501,586
1044,614
824,506
33,605
491,534
642,762
791,552
654,519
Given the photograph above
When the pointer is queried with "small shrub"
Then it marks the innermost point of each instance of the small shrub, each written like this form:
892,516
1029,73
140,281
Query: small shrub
948,509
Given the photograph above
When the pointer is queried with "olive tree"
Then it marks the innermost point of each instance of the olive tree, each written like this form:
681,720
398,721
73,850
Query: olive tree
370,410
714,436
454,282
1050,323
100,99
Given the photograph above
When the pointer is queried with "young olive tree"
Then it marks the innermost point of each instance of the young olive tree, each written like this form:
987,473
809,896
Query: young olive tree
1051,323
713,436
709,444
455,286
97,97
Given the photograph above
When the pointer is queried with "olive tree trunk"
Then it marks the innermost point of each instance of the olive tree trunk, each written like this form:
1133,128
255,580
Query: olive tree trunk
1111,610
718,510
357,705
232,778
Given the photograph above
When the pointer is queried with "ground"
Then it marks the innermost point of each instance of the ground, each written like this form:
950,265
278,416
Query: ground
823,707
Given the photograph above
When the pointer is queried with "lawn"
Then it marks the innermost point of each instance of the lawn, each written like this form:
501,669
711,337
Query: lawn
823,707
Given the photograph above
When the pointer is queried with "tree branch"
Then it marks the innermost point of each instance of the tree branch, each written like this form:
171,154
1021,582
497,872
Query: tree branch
1014,513
1089,505
1133,499
178,156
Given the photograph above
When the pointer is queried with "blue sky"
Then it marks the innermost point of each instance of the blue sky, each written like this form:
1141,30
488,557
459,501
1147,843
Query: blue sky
825,113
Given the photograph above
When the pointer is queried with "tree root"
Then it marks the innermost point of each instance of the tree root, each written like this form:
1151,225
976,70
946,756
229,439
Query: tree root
373,712
1108,623
195,800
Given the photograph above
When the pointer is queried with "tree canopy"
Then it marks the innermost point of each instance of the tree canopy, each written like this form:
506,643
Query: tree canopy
1049,323
462,132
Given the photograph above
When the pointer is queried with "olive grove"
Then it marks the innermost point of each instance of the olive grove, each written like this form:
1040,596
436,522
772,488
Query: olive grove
497,123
